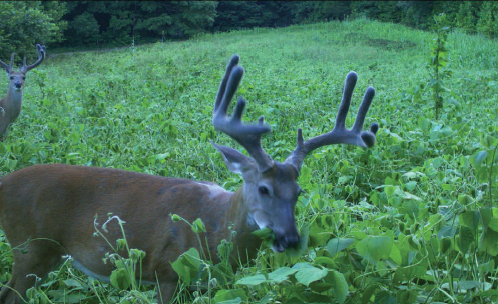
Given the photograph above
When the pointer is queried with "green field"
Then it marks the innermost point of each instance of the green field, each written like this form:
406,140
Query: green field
415,217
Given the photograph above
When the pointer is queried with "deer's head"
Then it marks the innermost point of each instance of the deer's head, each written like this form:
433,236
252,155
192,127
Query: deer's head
270,187
17,78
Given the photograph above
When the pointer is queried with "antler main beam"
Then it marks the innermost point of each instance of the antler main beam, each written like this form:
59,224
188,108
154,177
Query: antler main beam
41,56
248,136
25,68
340,135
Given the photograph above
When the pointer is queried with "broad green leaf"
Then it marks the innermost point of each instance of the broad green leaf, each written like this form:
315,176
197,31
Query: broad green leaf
265,233
384,297
465,199
339,285
338,244
120,279
281,274
375,248
302,265
325,261
486,215
198,226
233,301
368,292
396,255
463,286
187,265
489,241
252,280
72,283
389,190
465,238
493,224
311,274
406,296
481,156
225,295
410,186
489,141
318,236
408,273
470,219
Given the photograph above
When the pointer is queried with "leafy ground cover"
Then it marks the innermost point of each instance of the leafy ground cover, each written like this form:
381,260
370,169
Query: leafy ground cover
413,220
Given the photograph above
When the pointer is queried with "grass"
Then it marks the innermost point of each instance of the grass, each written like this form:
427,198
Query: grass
148,109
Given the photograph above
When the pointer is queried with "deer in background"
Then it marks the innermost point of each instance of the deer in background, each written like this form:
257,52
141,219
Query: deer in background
11,103
48,211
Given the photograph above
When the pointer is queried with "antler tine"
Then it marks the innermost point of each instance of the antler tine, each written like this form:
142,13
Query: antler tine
340,135
7,67
41,57
221,91
248,136
340,122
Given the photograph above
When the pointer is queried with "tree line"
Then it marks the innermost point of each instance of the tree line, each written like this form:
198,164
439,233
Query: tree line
95,24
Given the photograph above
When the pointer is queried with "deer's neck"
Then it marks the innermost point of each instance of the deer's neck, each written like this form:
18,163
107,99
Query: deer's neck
244,225
12,103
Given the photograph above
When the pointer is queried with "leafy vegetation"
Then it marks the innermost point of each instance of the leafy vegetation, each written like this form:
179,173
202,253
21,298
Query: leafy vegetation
24,23
77,25
439,60
412,220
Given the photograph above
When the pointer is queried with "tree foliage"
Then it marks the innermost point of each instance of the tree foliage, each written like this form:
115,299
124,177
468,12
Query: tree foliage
114,23
25,23
118,22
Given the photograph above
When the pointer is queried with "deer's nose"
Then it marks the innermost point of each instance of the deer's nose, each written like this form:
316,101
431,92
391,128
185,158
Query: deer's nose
18,85
292,240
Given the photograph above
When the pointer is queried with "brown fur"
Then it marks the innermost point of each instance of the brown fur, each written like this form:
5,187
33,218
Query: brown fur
48,211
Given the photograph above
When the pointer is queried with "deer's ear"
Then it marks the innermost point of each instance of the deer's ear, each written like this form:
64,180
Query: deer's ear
235,161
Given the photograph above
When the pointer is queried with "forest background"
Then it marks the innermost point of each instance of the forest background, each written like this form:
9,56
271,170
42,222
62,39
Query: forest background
83,25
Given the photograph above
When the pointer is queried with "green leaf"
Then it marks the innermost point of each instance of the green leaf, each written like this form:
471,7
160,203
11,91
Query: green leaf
281,274
408,273
389,190
72,283
339,285
252,280
311,274
489,241
396,255
227,296
481,156
338,244
120,279
187,265
411,185
266,233
406,296
233,301
493,224
464,286
198,226
384,297
369,291
470,219
489,142
466,237
305,174
375,248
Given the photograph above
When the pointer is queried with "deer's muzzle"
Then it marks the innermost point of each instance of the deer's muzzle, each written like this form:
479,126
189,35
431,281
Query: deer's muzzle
289,240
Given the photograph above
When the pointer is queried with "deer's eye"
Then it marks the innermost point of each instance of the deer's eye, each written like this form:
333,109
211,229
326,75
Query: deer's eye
263,190
11,77
23,78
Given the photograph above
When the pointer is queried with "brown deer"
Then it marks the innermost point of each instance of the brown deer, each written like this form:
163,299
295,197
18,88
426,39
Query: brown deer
10,105
48,211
